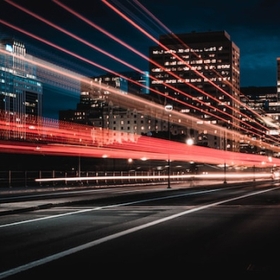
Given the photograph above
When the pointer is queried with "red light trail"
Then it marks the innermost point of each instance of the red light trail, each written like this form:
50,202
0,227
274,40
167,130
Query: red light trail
193,69
79,140
74,36
165,28
140,71
142,104
71,139
173,74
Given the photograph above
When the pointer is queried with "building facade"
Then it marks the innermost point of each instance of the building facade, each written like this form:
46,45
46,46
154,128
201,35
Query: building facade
20,89
278,76
95,108
265,112
199,73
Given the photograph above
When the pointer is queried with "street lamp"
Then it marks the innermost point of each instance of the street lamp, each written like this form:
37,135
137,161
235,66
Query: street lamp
225,164
168,108
189,142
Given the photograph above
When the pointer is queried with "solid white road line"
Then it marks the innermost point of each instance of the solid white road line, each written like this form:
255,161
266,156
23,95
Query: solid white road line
119,234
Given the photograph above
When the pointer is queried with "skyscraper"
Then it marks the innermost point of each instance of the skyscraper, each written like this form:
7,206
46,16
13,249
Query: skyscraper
199,74
20,90
278,77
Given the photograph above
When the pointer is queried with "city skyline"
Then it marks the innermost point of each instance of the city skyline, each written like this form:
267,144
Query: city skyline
204,48
251,25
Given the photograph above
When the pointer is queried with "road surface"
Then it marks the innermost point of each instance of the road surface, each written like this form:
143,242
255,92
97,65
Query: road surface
205,230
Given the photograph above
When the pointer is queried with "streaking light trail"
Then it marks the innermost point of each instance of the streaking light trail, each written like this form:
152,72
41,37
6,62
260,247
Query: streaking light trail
135,102
138,70
171,73
188,65
75,36
129,101
70,139
230,176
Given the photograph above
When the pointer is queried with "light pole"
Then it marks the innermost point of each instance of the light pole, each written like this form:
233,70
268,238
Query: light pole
225,164
190,142
168,108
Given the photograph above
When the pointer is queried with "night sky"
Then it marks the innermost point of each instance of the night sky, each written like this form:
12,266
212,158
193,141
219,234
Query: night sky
254,26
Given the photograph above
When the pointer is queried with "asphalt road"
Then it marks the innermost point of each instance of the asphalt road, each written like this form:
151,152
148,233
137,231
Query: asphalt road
211,230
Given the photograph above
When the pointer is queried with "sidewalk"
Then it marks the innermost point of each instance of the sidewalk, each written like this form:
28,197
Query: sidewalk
24,199
26,205
20,207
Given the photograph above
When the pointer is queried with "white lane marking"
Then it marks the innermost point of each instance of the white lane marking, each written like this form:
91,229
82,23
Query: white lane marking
49,217
88,245
105,207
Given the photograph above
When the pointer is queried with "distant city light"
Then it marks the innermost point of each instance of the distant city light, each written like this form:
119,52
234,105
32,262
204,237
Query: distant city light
9,48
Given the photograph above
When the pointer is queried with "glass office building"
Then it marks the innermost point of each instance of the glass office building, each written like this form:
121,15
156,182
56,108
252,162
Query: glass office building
20,89
199,73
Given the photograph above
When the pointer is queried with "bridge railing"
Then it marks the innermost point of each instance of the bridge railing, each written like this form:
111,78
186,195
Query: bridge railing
58,178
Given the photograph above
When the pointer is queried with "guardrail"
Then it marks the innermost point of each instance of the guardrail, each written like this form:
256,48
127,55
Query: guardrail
46,178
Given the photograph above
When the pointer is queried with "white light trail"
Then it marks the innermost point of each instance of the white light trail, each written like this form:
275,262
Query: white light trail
132,67
240,176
